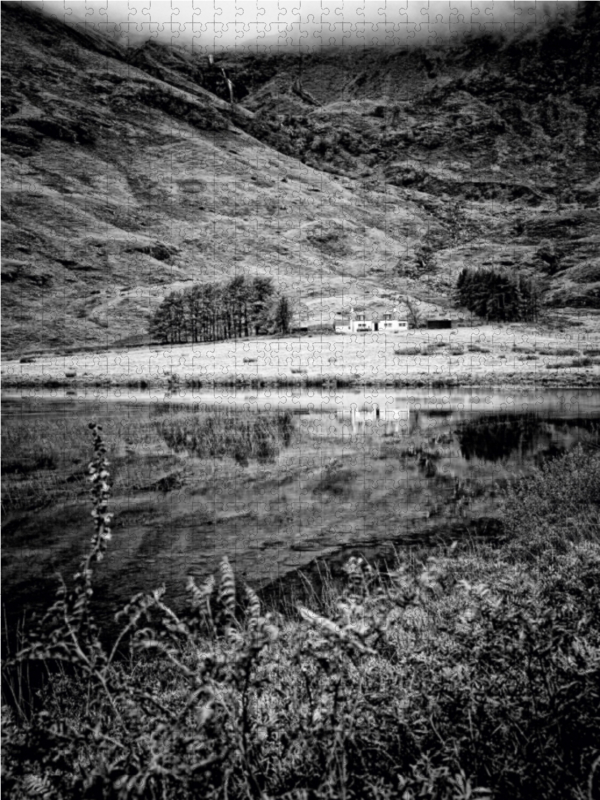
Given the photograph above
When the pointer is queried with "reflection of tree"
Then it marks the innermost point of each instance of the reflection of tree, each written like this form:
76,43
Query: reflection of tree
242,436
495,437
585,423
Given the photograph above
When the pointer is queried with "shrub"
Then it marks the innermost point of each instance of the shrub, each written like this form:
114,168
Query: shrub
575,362
558,351
477,348
519,349
582,362
560,502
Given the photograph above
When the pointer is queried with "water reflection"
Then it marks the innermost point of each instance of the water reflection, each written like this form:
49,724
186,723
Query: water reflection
495,437
242,435
323,475
374,420
498,437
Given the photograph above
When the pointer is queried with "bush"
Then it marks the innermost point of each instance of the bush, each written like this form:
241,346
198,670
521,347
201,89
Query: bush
560,503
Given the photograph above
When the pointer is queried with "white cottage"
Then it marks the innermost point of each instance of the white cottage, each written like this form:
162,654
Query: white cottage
355,323
389,325
362,325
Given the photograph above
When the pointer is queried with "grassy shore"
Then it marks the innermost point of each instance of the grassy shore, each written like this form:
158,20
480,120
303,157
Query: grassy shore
472,671
482,356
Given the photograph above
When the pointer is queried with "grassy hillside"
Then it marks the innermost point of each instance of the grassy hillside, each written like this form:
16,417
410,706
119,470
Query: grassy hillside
128,173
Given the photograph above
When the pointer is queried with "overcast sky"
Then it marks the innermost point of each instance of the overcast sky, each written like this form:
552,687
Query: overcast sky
214,24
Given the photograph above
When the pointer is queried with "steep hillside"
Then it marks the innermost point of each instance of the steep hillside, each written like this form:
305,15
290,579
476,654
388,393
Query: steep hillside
127,173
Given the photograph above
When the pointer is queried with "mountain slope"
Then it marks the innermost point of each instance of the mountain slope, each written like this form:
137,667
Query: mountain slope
127,173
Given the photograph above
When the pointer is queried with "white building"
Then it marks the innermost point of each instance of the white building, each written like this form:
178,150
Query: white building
389,325
355,323
362,325
358,323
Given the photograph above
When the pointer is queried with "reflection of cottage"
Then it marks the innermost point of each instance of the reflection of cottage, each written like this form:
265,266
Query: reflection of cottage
375,420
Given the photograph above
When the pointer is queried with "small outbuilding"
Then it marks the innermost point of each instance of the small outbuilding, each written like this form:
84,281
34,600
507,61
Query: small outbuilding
439,323
342,325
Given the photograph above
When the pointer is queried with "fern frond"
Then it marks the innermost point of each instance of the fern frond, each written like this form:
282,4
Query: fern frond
37,786
226,587
253,610
200,595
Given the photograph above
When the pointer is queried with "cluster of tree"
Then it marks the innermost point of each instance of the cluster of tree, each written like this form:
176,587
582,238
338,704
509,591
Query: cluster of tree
497,296
212,311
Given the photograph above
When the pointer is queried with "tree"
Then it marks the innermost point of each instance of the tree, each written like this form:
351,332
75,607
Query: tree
414,315
261,298
283,315
168,321
496,295
210,311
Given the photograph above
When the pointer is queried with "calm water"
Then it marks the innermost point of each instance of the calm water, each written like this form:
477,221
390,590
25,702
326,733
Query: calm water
364,470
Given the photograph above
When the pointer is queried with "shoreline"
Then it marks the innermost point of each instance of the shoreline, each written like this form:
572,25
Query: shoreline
329,381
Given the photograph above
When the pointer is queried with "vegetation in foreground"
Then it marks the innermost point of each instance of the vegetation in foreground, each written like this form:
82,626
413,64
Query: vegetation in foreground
475,673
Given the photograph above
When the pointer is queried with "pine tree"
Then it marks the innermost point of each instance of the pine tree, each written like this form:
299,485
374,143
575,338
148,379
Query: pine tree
212,311
496,295
283,315
261,297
